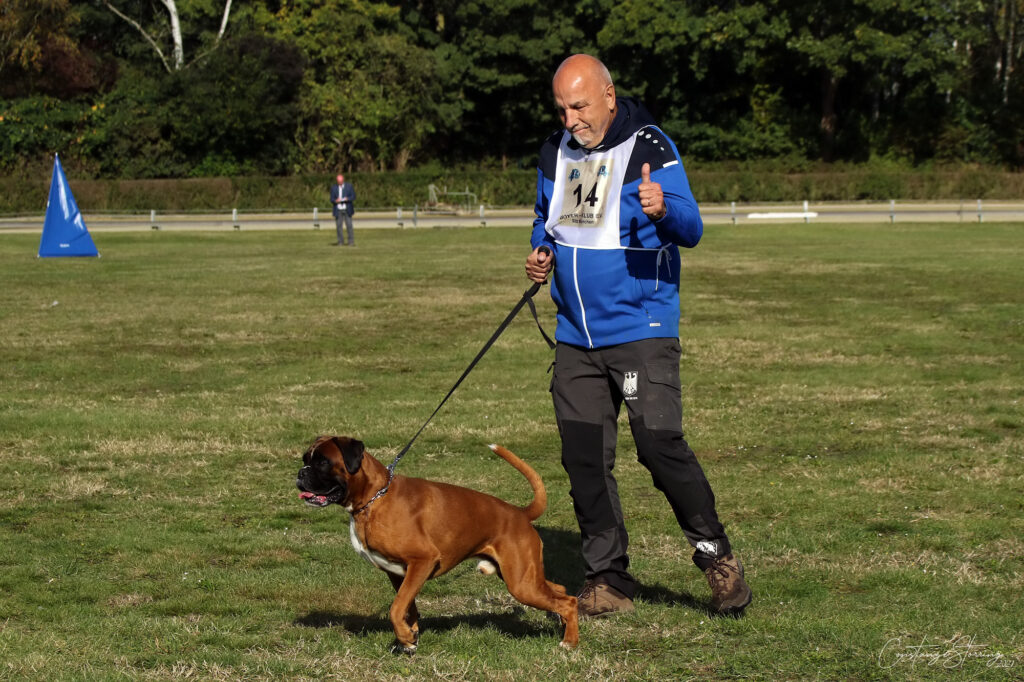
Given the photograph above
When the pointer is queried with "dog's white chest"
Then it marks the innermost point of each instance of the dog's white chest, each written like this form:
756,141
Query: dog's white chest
371,556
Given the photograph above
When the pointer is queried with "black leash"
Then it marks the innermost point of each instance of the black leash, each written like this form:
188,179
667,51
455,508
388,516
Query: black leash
527,299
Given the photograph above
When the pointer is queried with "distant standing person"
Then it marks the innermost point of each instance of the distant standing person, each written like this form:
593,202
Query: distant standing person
343,199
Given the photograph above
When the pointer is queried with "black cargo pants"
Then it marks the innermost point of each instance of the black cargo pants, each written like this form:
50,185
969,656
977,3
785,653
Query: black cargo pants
588,388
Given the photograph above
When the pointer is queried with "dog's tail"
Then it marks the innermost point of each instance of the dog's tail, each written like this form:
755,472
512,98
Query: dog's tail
540,496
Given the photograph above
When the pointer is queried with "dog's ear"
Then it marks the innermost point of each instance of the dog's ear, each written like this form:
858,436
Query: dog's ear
352,452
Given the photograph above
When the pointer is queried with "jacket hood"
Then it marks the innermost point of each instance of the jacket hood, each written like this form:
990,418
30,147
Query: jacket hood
630,116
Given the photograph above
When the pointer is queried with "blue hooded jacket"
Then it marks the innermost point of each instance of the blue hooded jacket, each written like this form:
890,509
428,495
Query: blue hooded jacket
609,293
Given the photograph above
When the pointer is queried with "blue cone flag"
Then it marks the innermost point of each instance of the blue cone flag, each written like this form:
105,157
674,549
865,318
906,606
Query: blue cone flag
64,231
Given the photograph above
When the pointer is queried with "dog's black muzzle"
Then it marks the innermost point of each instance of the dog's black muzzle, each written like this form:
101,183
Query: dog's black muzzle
318,493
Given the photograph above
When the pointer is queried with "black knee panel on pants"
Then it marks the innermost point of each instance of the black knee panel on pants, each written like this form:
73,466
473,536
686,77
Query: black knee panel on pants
583,460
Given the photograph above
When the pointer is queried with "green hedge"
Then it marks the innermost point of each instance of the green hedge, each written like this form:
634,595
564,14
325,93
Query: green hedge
856,185
501,188
373,190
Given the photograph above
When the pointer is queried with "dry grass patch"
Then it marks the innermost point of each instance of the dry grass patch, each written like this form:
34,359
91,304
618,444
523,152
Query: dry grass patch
122,601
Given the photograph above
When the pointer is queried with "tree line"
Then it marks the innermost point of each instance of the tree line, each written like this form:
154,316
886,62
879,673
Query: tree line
193,88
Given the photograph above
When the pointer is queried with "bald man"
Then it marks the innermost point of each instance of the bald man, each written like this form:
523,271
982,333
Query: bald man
613,207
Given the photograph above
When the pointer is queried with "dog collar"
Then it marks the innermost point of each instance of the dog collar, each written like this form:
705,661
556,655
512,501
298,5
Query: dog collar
379,493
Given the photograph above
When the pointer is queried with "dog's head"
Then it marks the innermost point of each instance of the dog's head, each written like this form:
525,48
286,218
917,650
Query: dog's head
327,466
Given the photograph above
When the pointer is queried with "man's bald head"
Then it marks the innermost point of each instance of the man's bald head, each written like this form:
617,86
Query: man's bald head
585,97
584,66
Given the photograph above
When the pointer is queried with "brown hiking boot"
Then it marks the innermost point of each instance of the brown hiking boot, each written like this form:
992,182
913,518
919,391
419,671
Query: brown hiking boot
597,600
730,593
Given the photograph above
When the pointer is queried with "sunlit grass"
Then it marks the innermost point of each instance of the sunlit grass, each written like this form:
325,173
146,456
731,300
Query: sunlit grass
854,393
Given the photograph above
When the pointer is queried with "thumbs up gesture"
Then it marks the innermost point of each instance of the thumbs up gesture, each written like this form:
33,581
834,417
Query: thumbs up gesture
652,201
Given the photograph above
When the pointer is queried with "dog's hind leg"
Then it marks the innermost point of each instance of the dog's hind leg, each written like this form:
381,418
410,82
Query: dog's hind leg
524,577
537,593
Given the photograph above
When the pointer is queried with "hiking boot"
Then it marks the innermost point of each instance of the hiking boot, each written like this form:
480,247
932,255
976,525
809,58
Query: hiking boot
730,593
597,600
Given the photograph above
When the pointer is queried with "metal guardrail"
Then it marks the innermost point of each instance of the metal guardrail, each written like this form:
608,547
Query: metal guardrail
861,212
398,217
423,217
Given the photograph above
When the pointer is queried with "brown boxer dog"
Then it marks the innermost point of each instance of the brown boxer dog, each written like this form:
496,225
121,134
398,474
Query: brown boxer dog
421,529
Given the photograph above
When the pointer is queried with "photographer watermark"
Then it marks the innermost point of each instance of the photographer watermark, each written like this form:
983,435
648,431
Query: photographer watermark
950,654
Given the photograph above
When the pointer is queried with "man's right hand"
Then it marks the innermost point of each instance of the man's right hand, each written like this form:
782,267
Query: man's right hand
538,264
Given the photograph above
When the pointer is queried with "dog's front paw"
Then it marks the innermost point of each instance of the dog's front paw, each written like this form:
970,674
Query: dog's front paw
407,649
399,648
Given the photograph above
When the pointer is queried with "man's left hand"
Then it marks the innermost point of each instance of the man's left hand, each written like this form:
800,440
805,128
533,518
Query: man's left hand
652,201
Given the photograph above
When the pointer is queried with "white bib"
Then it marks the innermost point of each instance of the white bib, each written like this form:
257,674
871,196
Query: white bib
584,208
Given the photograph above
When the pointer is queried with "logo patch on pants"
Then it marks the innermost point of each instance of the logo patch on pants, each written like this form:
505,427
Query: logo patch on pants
708,547
629,385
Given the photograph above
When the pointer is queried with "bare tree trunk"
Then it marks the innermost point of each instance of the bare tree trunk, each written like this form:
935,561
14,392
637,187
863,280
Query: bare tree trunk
401,161
177,60
178,51
224,21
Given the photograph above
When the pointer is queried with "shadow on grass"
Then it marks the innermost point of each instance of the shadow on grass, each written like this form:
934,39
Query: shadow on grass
510,624
659,594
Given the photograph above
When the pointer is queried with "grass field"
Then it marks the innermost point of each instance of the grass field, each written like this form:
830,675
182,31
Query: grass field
854,393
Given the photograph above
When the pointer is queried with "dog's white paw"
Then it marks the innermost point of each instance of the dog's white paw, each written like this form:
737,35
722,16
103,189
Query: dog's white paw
486,567
402,649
